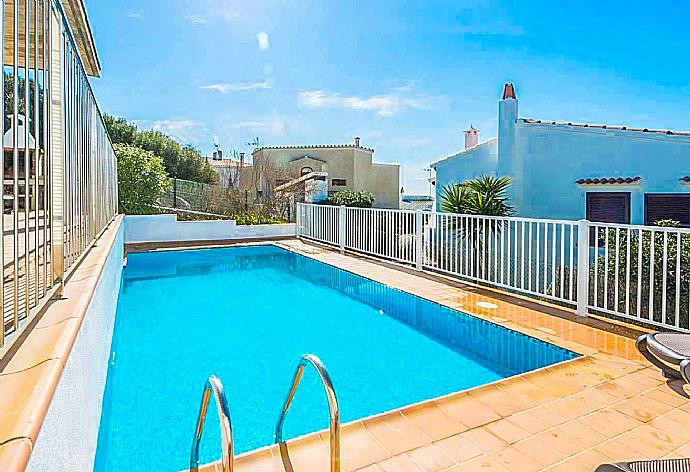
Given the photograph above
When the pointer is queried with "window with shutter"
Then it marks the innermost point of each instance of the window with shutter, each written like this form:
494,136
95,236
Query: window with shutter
607,207
667,206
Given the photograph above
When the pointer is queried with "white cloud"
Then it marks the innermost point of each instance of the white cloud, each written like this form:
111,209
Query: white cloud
262,38
226,88
196,19
386,105
273,126
185,131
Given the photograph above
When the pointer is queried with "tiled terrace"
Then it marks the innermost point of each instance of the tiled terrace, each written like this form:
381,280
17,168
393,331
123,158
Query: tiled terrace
606,406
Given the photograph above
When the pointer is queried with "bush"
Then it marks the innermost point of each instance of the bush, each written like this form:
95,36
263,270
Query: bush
141,179
350,199
255,219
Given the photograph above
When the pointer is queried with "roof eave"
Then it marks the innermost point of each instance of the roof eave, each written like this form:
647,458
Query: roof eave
78,19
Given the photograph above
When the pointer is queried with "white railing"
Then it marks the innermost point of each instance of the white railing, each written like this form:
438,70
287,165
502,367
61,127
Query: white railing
599,268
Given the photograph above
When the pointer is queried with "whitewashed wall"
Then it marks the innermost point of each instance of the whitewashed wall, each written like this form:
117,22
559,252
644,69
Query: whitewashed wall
69,435
164,228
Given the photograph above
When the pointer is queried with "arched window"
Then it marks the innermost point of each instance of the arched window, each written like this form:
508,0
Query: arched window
305,170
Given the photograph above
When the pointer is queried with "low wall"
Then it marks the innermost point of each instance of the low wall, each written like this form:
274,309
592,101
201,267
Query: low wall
68,438
166,228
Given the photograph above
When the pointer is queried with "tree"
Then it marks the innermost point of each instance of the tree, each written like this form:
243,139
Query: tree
120,130
141,179
483,196
197,169
182,162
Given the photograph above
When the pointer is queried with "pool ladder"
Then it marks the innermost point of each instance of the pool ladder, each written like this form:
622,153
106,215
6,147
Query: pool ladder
214,385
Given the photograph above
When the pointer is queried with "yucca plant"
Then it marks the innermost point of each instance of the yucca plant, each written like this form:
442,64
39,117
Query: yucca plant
484,196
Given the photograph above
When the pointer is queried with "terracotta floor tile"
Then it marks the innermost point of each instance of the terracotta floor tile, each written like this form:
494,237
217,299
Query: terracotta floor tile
679,416
304,454
540,451
482,464
433,421
549,416
400,463
618,451
459,449
515,460
582,403
484,439
372,468
535,394
262,461
643,408
562,442
395,433
431,458
507,431
583,434
358,448
666,395
528,422
609,422
469,411
591,459
569,466
499,401
671,427
653,442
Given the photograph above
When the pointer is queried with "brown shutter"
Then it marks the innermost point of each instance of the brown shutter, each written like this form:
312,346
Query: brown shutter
608,207
667,207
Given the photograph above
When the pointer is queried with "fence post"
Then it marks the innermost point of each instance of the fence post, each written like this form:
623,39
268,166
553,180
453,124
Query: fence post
341,228
582,267
418,232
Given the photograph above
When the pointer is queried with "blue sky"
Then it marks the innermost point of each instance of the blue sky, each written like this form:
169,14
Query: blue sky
406,76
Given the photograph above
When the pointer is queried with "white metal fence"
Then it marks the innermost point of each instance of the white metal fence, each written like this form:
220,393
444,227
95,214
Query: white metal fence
636,272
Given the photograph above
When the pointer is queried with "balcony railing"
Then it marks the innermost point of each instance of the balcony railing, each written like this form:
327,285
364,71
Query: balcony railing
641,273
59,167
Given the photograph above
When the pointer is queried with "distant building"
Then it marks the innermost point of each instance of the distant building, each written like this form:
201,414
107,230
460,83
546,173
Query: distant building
571,171
348,167
228,170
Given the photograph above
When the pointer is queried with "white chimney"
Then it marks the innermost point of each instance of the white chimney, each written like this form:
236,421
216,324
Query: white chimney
471,137
357,141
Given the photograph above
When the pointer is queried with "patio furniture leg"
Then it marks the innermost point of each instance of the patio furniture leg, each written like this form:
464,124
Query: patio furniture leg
665,370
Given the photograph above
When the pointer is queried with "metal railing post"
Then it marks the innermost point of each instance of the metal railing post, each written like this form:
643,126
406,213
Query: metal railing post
418,233
341,228
582,267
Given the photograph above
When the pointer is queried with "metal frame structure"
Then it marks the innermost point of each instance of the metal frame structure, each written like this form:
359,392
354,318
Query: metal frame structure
333,408
215,386
59,172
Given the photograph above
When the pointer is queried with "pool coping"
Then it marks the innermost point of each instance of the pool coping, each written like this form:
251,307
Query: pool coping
31,373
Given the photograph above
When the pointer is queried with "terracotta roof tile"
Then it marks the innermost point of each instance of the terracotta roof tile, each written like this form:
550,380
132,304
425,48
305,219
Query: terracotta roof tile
315,146
619,128
609,181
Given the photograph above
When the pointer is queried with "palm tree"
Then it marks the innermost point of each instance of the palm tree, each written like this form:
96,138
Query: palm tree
485,196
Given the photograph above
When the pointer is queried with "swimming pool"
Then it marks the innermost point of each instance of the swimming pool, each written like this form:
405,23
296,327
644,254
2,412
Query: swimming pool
247,314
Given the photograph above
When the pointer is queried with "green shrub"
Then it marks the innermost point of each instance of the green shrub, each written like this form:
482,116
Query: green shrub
141,179
350,199
255,219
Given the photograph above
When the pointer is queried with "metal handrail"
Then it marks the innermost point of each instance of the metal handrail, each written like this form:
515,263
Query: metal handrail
213,384
333,408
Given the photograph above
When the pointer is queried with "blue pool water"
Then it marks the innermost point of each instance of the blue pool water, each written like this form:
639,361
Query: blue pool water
247,315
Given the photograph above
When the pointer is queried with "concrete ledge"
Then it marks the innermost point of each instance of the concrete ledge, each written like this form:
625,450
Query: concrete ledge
166,228
29,378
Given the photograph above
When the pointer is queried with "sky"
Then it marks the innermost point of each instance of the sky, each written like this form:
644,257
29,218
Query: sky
406,76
